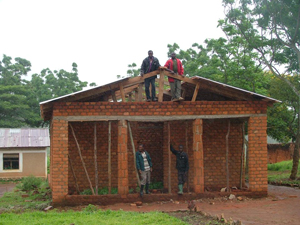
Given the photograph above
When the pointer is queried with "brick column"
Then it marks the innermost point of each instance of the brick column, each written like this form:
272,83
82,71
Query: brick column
258,155
198,156
59,160
122,158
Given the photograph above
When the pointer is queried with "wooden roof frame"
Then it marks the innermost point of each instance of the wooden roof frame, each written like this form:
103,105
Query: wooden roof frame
117,91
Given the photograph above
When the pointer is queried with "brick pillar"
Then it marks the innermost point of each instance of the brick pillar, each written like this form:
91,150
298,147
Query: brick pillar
198,156
59,160
122,158
258,155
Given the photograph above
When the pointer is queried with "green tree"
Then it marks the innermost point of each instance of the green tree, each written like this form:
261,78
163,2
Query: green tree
271,28
131,72
15,110
225,61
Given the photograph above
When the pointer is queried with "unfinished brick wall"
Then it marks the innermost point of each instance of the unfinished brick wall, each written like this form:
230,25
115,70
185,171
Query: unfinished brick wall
181,132
84,132
214,144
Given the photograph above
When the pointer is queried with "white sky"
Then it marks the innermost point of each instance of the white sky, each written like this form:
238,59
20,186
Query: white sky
102,37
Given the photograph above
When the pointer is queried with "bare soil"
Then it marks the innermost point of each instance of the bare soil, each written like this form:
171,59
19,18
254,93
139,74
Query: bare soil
280,207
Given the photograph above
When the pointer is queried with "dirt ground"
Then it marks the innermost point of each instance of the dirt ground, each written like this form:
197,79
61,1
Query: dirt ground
6,188
280,207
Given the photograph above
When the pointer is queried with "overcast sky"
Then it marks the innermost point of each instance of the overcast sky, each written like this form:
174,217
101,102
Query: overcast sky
102,37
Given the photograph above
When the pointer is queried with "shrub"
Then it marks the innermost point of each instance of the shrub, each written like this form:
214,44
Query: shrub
30,183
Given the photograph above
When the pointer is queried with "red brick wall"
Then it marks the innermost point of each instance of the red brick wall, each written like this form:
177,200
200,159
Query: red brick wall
84,132
258,156
214,144
180,134
154,136
279,152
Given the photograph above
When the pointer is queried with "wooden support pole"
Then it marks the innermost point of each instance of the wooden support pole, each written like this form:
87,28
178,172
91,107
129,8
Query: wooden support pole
133,151
122,93
82,161
140,93
161,85
73,172
242,156
130,97
95,158
113,95
195,92
227,160
109,157
169,156
187,152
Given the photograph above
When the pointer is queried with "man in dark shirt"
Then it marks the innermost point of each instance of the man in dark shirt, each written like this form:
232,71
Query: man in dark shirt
182,166
150,64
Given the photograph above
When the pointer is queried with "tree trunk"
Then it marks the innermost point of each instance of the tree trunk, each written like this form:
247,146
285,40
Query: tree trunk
296,149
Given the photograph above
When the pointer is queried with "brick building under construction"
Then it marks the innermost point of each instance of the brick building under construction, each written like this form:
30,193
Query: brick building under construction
95,133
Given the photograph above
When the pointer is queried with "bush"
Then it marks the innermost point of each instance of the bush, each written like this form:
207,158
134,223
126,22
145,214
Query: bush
282,166
30,183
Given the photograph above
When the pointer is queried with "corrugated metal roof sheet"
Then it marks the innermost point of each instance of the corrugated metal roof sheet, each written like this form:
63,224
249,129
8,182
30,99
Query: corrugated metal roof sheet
24,137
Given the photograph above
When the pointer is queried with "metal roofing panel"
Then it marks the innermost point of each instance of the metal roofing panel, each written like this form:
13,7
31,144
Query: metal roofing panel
24,137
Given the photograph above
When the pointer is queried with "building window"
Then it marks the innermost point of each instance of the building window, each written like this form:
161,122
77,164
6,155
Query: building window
11,161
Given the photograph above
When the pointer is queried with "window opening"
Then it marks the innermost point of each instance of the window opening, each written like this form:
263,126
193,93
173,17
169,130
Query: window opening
11,161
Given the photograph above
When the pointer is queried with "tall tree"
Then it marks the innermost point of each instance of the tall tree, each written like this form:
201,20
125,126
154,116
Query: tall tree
132,71
225,61
14,105
271,28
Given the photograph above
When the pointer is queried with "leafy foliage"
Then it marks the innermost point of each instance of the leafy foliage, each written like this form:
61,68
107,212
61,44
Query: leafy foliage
20,98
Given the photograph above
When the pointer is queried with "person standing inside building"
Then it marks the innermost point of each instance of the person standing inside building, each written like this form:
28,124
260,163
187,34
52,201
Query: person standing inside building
150,64
144,166
175,65
182,166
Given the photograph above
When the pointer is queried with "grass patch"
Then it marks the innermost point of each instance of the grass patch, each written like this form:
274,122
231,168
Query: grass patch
89,216
30,194
279,174
282,166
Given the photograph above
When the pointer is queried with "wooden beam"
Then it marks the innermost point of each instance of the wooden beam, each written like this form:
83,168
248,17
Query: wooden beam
187,152
122,93
227,159
113,94
140,93
95,158
242,155
74,175
195,92
82,161
161,85
109,157
130,97
169,159
133,151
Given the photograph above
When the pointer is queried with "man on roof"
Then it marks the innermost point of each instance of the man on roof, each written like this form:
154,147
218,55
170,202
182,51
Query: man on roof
175,65
150,64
